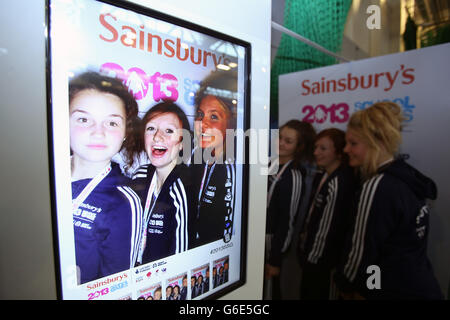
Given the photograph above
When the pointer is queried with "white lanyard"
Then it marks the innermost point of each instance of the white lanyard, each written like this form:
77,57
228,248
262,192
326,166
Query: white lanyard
304,233
203,186
311,208
148,209
149,204
90,187
277,177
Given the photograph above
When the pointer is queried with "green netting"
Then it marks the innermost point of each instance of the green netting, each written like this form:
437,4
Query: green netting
436,35
321,21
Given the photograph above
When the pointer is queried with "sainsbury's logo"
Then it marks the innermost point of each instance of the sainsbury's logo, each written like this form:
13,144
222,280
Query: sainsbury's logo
106,281
153,43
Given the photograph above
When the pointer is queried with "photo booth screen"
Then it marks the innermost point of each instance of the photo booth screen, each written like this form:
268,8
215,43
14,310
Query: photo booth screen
149,175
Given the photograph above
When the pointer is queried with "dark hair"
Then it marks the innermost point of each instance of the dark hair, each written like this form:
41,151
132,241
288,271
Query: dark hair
94,81
159,109
221,84
306,136
337,136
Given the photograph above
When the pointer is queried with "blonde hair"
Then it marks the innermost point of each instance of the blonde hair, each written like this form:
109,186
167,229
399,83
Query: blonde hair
378,126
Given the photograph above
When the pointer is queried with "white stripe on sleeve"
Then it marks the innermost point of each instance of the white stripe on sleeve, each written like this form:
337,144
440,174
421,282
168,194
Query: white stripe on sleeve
140,172
136,222
358,239
178,195
325,222
295,200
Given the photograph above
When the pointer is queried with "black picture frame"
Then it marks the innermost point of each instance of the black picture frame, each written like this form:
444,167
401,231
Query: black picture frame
243,190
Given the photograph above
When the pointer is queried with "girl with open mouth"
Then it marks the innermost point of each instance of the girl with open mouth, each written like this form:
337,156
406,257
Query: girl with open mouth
163,185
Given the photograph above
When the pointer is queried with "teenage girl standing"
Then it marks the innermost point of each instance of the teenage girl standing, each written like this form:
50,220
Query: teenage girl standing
285,189
328,219
391,225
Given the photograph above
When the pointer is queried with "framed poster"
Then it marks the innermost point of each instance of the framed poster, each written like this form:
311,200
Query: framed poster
149,173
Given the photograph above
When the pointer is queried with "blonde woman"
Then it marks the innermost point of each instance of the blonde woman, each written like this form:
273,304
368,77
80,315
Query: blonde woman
386,254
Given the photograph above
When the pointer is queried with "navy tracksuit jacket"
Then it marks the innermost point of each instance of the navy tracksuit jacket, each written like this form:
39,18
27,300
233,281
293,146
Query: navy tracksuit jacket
390,231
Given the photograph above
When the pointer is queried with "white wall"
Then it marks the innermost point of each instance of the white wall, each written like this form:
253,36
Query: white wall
26,261
26,252
278,17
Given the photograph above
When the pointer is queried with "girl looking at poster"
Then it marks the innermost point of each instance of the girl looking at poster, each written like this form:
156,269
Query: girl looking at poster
329,216
285,189
106,212
163,185
211,164
386,252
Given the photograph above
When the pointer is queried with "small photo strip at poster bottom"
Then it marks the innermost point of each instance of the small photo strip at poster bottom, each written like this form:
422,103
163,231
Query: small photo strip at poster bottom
152,292
200,280
220,271
177,287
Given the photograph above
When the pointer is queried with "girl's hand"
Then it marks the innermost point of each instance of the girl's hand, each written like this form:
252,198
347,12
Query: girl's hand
271,271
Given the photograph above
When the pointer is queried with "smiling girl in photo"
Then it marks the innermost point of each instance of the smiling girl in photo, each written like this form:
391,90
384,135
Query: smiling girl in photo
162,185
212,167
